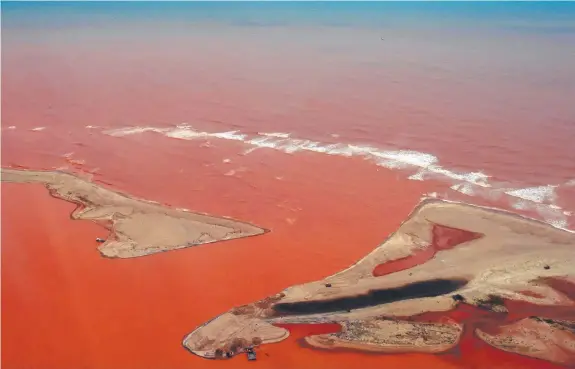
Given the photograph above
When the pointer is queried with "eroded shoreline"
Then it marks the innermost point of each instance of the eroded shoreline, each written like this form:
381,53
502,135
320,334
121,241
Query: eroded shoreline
137,227
506,266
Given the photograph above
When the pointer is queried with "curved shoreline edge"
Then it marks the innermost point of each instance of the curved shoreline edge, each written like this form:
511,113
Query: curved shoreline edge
516,270
137,227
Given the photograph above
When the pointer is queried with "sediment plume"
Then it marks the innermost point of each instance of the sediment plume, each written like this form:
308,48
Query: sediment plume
137,227
450,268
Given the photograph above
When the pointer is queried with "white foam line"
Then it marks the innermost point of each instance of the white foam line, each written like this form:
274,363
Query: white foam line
37,129
120,132
538,194
464,188
532,198
275,134
501,210
553,215
419,176
182,131
426,165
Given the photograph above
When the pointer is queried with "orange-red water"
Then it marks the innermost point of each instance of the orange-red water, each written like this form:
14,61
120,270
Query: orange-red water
65,307
443,238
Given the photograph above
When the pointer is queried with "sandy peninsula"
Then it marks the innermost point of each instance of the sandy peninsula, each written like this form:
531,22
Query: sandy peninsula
137,227
450,268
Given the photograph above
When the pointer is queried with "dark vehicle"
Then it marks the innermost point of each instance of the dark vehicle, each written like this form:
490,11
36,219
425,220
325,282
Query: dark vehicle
251,353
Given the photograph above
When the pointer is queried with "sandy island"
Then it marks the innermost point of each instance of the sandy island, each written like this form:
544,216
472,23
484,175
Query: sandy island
450,270
138,227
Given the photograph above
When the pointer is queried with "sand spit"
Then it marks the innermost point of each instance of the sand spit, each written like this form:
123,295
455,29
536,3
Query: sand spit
138,227
467,258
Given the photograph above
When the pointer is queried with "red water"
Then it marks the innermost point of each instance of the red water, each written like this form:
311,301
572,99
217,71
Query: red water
443,238
416,258
73,308
472,318
65,307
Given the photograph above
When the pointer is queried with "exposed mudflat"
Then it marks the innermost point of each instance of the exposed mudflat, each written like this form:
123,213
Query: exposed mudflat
536,337
497,263
390,336
138,227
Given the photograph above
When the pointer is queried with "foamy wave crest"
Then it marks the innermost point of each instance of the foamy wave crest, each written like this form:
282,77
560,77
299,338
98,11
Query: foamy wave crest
552,214
181,131
427,165
464,188
539,194
275,134
132,130
423,165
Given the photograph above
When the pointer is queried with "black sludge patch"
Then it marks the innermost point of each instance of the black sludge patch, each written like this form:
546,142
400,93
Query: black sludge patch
430,288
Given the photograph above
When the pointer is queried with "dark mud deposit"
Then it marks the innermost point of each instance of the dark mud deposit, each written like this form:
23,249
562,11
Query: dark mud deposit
431,288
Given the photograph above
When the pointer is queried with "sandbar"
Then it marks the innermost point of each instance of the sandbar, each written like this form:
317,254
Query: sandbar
449,268
137,227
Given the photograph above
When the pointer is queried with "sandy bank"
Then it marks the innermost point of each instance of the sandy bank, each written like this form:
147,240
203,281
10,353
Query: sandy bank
475,256
137,227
